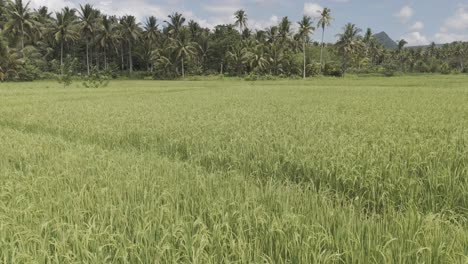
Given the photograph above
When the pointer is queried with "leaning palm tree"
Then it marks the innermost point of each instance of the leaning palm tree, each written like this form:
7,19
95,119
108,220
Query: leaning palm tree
19,20
241,19
349,43
183,48
131,31
305,29
324,21
87,17
64,29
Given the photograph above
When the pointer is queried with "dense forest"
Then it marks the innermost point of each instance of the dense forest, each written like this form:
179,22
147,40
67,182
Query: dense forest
39,44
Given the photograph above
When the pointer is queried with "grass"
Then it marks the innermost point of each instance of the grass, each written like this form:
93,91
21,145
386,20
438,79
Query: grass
356,170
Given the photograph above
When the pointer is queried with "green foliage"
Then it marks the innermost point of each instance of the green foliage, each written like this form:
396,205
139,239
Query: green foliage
332,69
314,69
96,79
445,68
67,70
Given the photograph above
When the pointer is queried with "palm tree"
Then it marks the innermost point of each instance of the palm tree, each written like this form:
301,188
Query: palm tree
348,43
241,19
183,48
131,31
324,21
151,31
368,39
19,20
108,36
87,17
175,24
150,35
284,29
64,28
305,29
238,55
401,45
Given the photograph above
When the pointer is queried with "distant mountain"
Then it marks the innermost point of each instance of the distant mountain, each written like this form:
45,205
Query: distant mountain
385,40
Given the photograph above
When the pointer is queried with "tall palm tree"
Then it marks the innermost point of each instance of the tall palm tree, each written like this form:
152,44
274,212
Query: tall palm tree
175,24
131,31
183,48
19,20
284,29
108,37
151,30
348,44
368,36
324,21
305,29
241,19
64,29
401,45
87,17
150,37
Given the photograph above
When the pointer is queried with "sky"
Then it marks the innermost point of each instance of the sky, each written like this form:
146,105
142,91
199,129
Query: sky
419,22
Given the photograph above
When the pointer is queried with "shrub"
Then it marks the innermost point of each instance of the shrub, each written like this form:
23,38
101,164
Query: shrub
332,69
444,68
67,71
96,79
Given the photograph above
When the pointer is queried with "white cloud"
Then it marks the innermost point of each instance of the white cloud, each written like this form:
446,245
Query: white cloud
416,38
312,9
418,25
443,38
405,14
454,28
459,21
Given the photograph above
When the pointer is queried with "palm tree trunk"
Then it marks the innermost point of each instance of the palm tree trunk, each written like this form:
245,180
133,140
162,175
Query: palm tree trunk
87,55
130,61
122,56
105,59
61,57
183,68
321,48
304,49
22,38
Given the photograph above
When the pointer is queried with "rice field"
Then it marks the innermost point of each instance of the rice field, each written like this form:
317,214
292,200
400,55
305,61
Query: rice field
355,170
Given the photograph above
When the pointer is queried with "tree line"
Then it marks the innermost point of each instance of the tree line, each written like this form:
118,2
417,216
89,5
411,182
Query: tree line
36,43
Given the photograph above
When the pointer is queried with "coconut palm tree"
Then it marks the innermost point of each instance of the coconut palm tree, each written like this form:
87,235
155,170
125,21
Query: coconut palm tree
87,16
131,32
238,56
348,44
324,21
175,24
401,45
151,30
305,29
64,28
284,29
19,20
241,20
183,48
108,36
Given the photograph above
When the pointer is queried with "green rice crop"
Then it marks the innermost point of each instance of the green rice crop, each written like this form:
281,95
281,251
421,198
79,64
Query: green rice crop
355,170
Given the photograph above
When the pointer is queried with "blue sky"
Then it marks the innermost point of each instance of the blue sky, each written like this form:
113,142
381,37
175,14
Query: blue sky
417,21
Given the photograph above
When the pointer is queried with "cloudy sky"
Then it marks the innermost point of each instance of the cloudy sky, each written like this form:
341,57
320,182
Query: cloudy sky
417,21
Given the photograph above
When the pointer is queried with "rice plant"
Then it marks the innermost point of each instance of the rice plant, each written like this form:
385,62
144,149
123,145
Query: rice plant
355,170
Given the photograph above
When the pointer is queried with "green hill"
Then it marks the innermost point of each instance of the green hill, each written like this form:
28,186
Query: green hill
385,40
